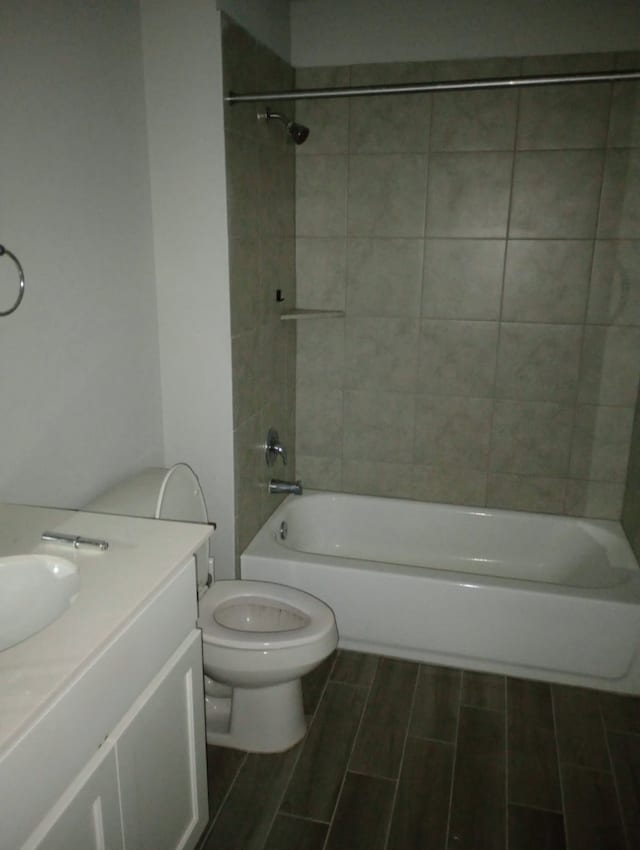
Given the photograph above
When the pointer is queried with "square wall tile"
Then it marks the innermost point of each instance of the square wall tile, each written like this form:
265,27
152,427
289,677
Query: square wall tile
453,431
575,63
556,117
321,273
244,201
244,285
531,438
327,120
475,69
555,194
610,366
321,195
319,421
277,192
538,362
320,352
452,485
377,478
526,493
277,271
614,297
391,73
386,195
546,280
245,375
474,120
462,278
601,440
457,358
319,473
381,353
595,499
378,425
384,277
624,124
384,124
468,194
620,202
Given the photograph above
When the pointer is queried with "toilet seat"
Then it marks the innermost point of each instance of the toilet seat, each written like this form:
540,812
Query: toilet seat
302,618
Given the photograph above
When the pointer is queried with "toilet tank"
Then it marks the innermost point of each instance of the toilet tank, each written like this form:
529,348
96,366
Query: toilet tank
160,493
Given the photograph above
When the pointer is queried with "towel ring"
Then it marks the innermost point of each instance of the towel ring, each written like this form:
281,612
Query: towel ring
6,251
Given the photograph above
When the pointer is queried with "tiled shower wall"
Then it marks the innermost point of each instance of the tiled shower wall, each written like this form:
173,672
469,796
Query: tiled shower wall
260,186
485,247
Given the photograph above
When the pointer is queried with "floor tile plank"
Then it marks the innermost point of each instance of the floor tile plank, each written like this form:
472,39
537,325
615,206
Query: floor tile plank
483,690
625,755
421,809
362,816
355,668
245,818
592,816
478,806
534,779
579,727
532,829
435,713
223,764
316,782
313,684
380,741
289,833
621,713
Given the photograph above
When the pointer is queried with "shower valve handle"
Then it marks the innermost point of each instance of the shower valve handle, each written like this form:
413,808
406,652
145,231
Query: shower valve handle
273,448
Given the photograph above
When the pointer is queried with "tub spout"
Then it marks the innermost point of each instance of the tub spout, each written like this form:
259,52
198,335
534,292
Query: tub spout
278,487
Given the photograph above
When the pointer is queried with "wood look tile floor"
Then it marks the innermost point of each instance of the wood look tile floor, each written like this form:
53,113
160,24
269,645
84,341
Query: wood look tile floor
408,756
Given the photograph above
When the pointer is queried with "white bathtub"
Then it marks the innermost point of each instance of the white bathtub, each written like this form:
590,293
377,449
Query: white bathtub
524,594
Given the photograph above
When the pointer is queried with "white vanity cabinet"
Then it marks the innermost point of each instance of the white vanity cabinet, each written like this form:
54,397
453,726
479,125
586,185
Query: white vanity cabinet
146,788
102,739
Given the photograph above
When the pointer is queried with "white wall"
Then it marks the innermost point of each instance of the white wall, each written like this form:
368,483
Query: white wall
79,373
335,32
183,77
266,20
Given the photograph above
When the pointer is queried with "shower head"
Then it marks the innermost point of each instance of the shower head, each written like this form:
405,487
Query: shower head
298,132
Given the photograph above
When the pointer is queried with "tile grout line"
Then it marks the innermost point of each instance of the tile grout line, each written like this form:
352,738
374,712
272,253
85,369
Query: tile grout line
507,232
402,755
454,764
506,762
616,787
300,746
348,759
558,763
212,823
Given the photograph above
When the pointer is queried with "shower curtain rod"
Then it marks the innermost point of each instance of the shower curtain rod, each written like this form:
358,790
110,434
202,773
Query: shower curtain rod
453,85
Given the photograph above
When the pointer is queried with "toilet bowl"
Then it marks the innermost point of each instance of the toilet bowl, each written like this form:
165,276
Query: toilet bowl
259,638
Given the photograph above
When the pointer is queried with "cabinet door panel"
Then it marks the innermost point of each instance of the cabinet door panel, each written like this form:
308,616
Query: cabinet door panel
87,815
161,759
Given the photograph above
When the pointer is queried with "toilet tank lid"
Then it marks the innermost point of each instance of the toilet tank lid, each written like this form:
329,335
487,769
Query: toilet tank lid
180,496
158,493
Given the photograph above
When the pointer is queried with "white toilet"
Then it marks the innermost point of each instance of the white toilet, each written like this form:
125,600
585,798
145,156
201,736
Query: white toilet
259,638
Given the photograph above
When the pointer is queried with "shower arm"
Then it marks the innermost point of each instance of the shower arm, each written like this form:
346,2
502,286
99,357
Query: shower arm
452,85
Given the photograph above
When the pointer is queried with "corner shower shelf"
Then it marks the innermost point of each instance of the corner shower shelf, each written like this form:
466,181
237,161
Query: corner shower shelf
296,315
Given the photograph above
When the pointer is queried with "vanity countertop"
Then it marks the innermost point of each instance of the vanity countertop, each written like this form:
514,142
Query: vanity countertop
143,557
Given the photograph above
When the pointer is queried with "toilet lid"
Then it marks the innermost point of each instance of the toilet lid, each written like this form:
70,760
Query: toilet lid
262,615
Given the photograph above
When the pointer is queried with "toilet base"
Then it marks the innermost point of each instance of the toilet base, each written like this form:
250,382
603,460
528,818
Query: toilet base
263,720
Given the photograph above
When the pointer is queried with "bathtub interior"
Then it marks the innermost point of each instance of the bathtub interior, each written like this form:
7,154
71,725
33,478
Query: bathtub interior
501,544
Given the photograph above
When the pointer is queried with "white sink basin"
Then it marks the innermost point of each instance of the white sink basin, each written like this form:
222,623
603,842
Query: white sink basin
34,591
